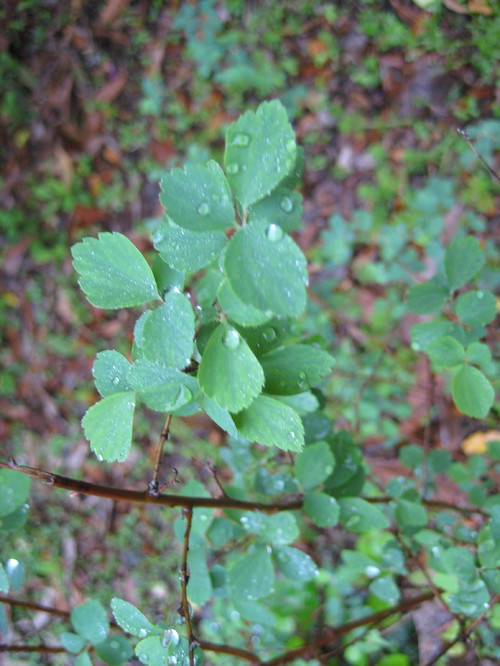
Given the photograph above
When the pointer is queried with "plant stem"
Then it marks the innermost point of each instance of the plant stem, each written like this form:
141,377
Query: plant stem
154,485
184,583
41,649
33,606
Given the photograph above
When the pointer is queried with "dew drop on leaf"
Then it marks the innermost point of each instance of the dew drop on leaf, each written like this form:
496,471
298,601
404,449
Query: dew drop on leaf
290,145
142,633
232,168
269,334
480,294
115,380
242,140
286,205
274,232
231,339
203,209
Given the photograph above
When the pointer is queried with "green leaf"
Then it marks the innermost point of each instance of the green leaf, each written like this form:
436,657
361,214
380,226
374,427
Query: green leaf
241,313
426,298
463,259
14,490
347,457
167,335
314,464
472,392
219,415
478,353
322,509
167,277
161,389
16,519
271,423
267,269
229,372
410,514
16,572
446,352
385,588
200,586
187,250
110,373
251,576
151,651
198,197
83,660
280,528
282,207
90,621
4,580
358,515
260,152
422,335
294,563
470,600
115,650
294,368
113,273
253,611
108,426
72,642
476,308
131,619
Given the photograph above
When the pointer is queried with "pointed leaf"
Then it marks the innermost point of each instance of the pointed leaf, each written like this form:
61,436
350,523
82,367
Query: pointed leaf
239,312
90,621
314,464
476,308
322,509
187,250
385,588
294,563
282,207
472,392
271,423
229,372
198,197
108,426
426,298
113,273
14,490
252,575
358,515
131,619
219,415
260,152
463,259
161,389
446,352
110,373
294,368
267,269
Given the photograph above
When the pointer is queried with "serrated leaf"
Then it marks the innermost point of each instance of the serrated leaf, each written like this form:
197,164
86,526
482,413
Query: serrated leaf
358,515
385,588
426,298
260,152
314,464
229,372
294,563
108,426
252,575
476,308
422,335
283,207
463,259
200,586
90,621
167,335
410,514
198,197
219,415
472,392
115,650
162,389
253,611
271,423
294,368
113,273
150,651
239,312
322,509
167,277
14,490
446,352
131,619
4,580
267,269
186,250
280,528
110,372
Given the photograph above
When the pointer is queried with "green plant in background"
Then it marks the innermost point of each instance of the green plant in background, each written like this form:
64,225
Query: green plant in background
262,578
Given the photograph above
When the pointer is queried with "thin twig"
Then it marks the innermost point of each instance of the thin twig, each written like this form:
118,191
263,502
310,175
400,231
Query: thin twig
184,583
41,649
465,135
32,606
154,485
228,649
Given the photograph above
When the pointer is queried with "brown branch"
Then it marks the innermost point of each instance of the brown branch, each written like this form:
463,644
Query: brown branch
186,610
154,485
227,649
42,649
144,497
432,504
33,606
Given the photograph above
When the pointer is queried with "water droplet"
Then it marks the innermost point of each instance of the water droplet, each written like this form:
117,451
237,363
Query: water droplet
99,457
142,633
302,375
293,435
480,294
241,139
144,658
269,334
232,168
286,205
372,571
290,145
415,346
203,209
274,232
115,381
232,339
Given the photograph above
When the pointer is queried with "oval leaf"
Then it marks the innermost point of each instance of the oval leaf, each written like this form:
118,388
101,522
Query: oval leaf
322,509
295,564
358,515
476,308
187,250
472,392
90,621
108,426
282,207
110,372
252,575
14,490
131,619
314,464
294,368
446,352
463,259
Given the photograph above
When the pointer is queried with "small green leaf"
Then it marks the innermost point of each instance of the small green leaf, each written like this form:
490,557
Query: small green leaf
476,308
198,197
253,611
478,353
131,619
229,372
280,528
251,576
282,207
410,514
446,352
187,250
113,273
271,423
294,368
108,426
260,152
161,389
199,586
472,392
294,563
4,580
151,651
358,515
322,509
110,373
385,588
16,519
463,259
14,490
347,456
314,464
16,572
167,335
219,415
239,312
72,642
422,335
166,277
426,298
115,650
83,660
266,269
90,621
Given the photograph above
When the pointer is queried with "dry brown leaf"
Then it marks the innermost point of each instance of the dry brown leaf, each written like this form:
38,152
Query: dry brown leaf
480,7
478,441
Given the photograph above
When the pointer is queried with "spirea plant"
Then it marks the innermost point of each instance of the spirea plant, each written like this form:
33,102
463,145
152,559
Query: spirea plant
303,555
